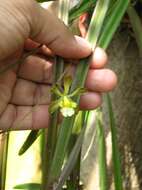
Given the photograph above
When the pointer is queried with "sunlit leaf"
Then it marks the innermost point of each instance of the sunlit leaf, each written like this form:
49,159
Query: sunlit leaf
103,180
28,186
79,9
136,25
115,149
112,22
29,141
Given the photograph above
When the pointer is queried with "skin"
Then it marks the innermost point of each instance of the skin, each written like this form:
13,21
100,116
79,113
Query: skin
25,90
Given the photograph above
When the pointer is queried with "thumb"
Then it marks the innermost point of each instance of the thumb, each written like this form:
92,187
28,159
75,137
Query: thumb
49,30
21,20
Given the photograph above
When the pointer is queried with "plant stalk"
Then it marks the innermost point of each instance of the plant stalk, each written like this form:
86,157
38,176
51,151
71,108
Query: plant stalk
4,155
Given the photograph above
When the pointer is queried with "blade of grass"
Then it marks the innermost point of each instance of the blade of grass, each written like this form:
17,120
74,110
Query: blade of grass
81,8
110,26
115,149
29,141
112,22
82,69
103,180
64,11
136,25
28,186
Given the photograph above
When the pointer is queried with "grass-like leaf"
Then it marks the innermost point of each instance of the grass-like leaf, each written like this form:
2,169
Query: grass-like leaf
81,8
136,25
112,22
103,180
115,150
29,141
28,186
64,10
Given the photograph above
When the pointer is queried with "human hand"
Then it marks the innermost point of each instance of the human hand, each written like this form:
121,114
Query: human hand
25,91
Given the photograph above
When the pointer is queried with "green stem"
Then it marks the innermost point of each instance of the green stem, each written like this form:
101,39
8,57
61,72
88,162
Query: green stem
52,130
4,155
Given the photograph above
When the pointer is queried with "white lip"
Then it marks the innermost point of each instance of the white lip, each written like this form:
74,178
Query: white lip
67,112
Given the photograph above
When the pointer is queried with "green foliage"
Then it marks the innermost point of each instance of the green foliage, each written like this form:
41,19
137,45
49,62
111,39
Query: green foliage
28,186
112,22
115,149
103,180
81,8
29,141
136,25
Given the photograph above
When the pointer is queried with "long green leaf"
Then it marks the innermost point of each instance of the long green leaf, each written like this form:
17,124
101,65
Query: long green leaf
115,149
112,22
79,9
28,186
136,25
103,180
29,141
